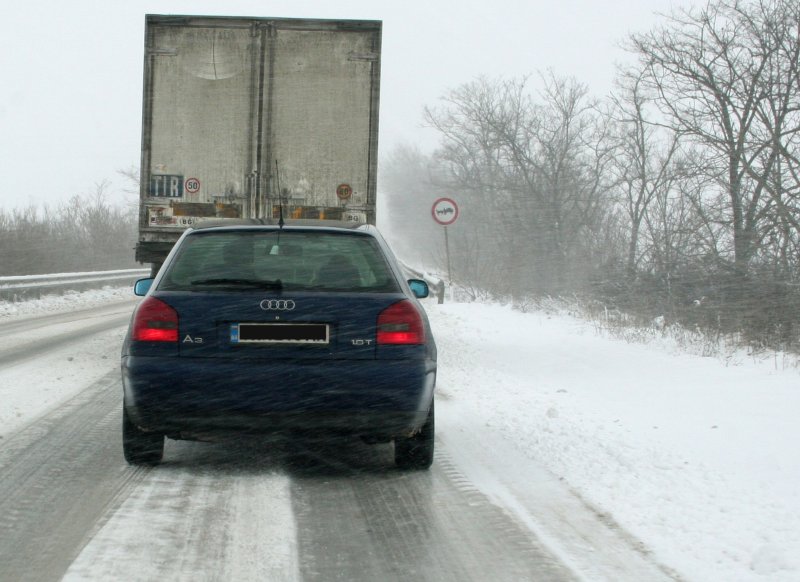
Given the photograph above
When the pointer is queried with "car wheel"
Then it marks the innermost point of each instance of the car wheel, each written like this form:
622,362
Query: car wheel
416,452
140,447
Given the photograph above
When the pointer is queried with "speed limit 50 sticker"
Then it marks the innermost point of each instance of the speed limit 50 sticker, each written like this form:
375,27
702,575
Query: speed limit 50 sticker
192,185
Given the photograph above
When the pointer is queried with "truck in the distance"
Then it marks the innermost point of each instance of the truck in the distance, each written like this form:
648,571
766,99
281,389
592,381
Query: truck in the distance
253,118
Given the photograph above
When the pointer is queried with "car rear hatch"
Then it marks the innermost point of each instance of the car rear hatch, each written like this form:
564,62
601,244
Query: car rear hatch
274,326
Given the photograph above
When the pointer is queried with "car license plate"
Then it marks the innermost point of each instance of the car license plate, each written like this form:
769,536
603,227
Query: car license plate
280,333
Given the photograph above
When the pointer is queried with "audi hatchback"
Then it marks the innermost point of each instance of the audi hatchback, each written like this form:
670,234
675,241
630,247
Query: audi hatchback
258,328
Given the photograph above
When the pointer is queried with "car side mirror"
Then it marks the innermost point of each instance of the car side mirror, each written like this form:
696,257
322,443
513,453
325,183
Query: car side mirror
419,288
142,286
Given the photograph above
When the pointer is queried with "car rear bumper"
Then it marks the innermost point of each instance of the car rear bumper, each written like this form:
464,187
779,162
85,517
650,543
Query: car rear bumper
379,399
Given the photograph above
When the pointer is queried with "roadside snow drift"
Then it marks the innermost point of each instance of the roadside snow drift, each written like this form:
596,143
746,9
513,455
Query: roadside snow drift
696,459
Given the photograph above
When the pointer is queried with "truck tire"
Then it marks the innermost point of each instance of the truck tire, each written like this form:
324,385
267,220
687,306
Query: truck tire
416,452
140,448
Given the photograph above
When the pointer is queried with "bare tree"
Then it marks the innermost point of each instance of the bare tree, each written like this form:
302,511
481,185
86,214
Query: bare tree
717,74
642,164
569,152
778,32
533,167
474,164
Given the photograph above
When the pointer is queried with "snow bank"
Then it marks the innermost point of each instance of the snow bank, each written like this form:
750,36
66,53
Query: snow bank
695,458
68,301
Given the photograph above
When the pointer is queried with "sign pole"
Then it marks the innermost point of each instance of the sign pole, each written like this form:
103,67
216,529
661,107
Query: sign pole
445,212
447,253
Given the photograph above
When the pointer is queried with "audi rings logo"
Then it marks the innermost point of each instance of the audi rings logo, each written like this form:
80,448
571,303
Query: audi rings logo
277,305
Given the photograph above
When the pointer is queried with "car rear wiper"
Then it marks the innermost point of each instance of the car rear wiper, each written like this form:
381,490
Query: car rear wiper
236,282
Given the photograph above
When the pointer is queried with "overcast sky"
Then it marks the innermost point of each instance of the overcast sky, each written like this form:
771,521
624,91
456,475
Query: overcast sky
70,104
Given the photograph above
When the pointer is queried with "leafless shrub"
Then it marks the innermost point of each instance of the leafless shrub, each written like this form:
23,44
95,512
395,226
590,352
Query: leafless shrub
85,233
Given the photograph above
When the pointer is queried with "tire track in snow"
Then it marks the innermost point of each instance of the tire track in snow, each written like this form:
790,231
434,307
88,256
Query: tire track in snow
588,542
34,337
359,519
210,511
58,478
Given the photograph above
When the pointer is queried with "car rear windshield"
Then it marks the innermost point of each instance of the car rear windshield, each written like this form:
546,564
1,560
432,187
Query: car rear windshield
234,260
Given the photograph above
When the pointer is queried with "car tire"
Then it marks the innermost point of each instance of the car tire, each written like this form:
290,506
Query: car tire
140,447
416,452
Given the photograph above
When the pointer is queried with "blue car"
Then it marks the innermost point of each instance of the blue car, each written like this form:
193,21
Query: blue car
255,328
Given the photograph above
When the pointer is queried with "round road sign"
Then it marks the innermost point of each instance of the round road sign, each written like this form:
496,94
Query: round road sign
192,185
445,211
344,191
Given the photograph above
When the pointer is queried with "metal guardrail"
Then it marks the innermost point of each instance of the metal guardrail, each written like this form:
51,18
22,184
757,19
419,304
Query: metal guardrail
21,287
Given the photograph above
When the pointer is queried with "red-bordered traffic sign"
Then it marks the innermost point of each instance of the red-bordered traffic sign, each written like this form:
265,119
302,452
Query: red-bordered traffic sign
444,211
192,185
344,191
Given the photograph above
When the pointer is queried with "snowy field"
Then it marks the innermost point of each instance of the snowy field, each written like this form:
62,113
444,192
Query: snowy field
696,458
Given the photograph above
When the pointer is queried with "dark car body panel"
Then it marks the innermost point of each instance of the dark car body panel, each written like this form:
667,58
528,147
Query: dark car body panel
350,384
374,397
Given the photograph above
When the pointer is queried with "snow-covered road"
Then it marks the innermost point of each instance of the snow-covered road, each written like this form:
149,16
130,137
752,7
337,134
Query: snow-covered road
258,509
560,455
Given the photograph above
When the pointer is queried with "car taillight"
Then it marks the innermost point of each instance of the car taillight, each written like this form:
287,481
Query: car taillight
155,321
401,323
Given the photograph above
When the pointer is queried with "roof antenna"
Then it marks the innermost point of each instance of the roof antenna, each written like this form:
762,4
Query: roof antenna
280,195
